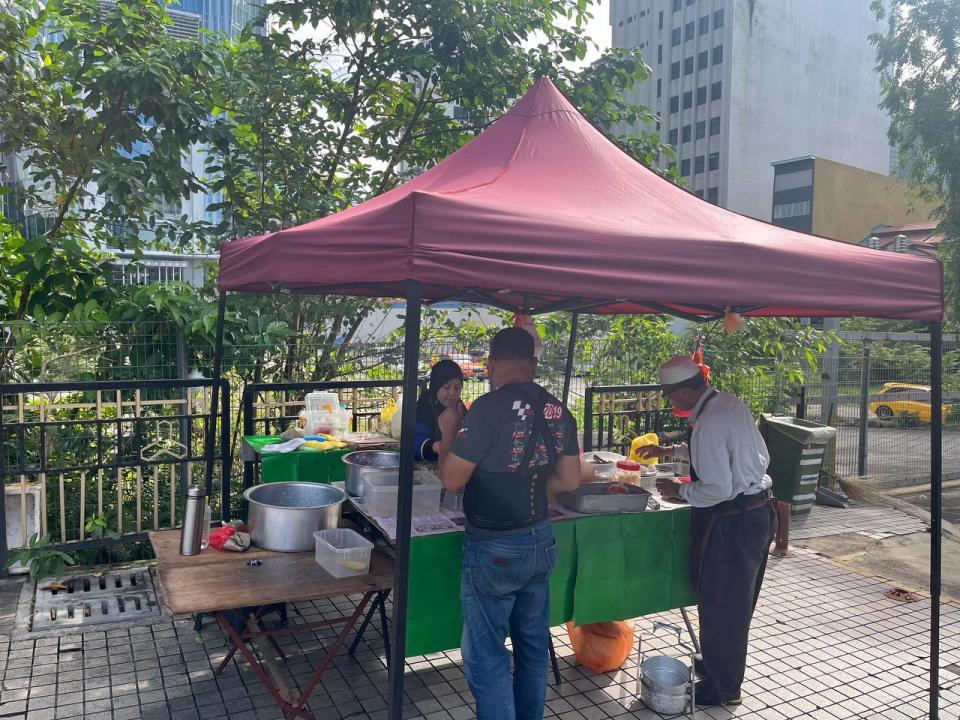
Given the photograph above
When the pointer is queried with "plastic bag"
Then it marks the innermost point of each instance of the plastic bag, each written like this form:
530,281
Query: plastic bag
602,647
395,420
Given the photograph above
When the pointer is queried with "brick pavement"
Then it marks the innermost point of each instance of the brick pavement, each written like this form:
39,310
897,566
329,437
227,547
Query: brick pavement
826,644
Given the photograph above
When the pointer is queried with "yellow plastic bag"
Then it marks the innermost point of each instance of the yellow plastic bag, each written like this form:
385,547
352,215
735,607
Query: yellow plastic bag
386,415
637,446
602,647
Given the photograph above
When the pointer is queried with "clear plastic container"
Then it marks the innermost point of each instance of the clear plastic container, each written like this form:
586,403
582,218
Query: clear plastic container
380,492
322,402
205,533
342,552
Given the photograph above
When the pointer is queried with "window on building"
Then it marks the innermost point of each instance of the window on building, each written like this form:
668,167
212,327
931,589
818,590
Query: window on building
793,180
659,87
671,166
698,163
714,161
698,193
688,66
620,24
718,55
674,137
713,195
688,100
789,210
701,129
675,103
675,70
677,5
691,2
718,19
703,59
675,37
704,26
659,54
685,133
702,95
714,126
660,21
685,168
689,30
715,90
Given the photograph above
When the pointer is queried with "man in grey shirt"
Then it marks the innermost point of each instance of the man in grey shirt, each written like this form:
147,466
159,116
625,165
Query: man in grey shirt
733,522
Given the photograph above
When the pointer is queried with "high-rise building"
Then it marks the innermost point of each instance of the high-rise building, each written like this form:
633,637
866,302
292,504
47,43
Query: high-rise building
226,17
740,84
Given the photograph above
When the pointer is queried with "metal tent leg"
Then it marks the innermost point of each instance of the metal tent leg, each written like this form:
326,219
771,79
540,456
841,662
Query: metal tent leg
571,349
936,508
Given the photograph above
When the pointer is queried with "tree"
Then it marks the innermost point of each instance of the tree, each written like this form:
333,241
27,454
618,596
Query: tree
100,106
918,56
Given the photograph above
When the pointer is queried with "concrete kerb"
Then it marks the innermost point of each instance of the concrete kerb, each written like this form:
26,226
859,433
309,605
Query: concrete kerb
864,488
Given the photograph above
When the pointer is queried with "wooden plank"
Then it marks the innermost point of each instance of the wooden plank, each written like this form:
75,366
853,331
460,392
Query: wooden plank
283,577
166,547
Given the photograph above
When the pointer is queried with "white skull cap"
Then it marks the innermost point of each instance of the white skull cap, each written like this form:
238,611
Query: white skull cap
677,370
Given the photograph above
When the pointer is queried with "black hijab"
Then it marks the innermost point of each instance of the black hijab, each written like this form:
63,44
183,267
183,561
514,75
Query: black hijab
428,406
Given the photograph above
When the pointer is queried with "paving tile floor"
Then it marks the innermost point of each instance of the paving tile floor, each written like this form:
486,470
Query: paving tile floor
826,644
874,522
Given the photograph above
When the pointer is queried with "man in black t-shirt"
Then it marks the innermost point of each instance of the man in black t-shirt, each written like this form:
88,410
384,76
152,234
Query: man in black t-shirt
515,444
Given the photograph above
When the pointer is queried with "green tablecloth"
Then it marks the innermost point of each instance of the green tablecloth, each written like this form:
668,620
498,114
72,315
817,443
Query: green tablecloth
609,567
305,465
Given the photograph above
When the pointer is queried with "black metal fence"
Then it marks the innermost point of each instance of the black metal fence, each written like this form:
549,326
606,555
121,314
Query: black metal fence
83,462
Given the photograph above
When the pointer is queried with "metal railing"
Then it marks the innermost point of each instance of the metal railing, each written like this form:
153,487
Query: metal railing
122,453
614,414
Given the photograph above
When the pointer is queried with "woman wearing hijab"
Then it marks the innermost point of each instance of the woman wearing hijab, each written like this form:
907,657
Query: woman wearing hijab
443,393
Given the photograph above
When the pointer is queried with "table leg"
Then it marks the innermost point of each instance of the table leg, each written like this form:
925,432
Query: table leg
384,626
289,710
693,636
363,626
331,652
554,664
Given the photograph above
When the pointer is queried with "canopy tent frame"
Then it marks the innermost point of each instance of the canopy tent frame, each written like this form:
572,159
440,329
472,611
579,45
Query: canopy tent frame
508,210
411,359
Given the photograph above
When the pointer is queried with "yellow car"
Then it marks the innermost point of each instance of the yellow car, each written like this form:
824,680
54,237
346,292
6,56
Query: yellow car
898,399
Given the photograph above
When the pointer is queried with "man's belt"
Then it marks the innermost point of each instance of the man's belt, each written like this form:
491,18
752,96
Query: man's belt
742,503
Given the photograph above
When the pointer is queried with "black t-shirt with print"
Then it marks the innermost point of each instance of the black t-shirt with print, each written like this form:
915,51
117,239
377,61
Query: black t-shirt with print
497,427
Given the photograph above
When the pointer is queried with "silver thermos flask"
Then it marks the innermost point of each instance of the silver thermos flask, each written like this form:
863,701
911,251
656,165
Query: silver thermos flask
193,514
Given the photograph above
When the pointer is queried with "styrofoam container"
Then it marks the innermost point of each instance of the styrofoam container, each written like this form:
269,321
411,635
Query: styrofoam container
380,492
342,552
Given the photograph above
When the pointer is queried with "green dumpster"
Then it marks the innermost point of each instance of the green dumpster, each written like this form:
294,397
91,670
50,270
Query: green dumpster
796,450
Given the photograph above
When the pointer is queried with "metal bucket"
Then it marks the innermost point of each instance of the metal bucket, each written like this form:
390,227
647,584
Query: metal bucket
356,463
665,685
283,516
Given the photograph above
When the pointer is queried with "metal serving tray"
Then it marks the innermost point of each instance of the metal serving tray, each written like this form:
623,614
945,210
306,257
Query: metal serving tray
590,498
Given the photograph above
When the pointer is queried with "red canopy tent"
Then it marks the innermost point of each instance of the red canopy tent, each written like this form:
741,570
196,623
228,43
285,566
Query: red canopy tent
541,212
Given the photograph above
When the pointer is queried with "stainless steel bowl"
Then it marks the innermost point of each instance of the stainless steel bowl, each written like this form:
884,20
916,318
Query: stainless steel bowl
283,516
357,462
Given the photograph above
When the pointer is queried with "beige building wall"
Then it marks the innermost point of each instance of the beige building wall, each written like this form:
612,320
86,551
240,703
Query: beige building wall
848,201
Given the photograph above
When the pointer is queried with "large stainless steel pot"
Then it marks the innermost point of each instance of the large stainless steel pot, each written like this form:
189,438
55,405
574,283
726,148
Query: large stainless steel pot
283,516
356,463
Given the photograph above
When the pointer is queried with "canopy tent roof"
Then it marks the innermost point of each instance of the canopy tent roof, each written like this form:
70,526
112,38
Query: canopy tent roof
541,211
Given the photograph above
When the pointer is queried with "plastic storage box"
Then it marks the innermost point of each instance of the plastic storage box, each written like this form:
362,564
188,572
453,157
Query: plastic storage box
380,493
342,552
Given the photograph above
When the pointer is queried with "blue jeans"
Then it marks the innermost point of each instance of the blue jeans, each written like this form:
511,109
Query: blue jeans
505,590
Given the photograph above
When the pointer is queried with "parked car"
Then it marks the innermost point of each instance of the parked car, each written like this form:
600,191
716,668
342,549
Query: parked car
898,399
472,367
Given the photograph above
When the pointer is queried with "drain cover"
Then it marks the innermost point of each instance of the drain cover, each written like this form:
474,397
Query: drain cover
117,596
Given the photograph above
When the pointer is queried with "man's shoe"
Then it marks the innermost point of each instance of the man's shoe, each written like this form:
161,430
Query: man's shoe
706,695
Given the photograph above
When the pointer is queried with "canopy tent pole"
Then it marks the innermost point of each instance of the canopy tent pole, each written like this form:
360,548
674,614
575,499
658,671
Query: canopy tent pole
568,371
215,398
401,568
936,508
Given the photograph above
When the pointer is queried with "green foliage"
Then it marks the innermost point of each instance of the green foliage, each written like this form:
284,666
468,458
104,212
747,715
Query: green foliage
919,58
42,557
96,529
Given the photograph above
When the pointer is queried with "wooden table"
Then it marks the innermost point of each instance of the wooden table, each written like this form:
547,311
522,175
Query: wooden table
223,585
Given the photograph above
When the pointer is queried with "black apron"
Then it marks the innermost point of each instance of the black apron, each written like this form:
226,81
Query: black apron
704,518
508,501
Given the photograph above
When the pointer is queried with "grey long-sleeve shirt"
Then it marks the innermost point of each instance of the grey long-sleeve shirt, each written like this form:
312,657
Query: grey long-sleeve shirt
729,454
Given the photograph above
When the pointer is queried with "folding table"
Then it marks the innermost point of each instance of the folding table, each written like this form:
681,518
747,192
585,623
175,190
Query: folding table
223,585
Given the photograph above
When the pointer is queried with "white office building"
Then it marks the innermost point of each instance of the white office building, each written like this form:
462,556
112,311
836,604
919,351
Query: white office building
740,84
